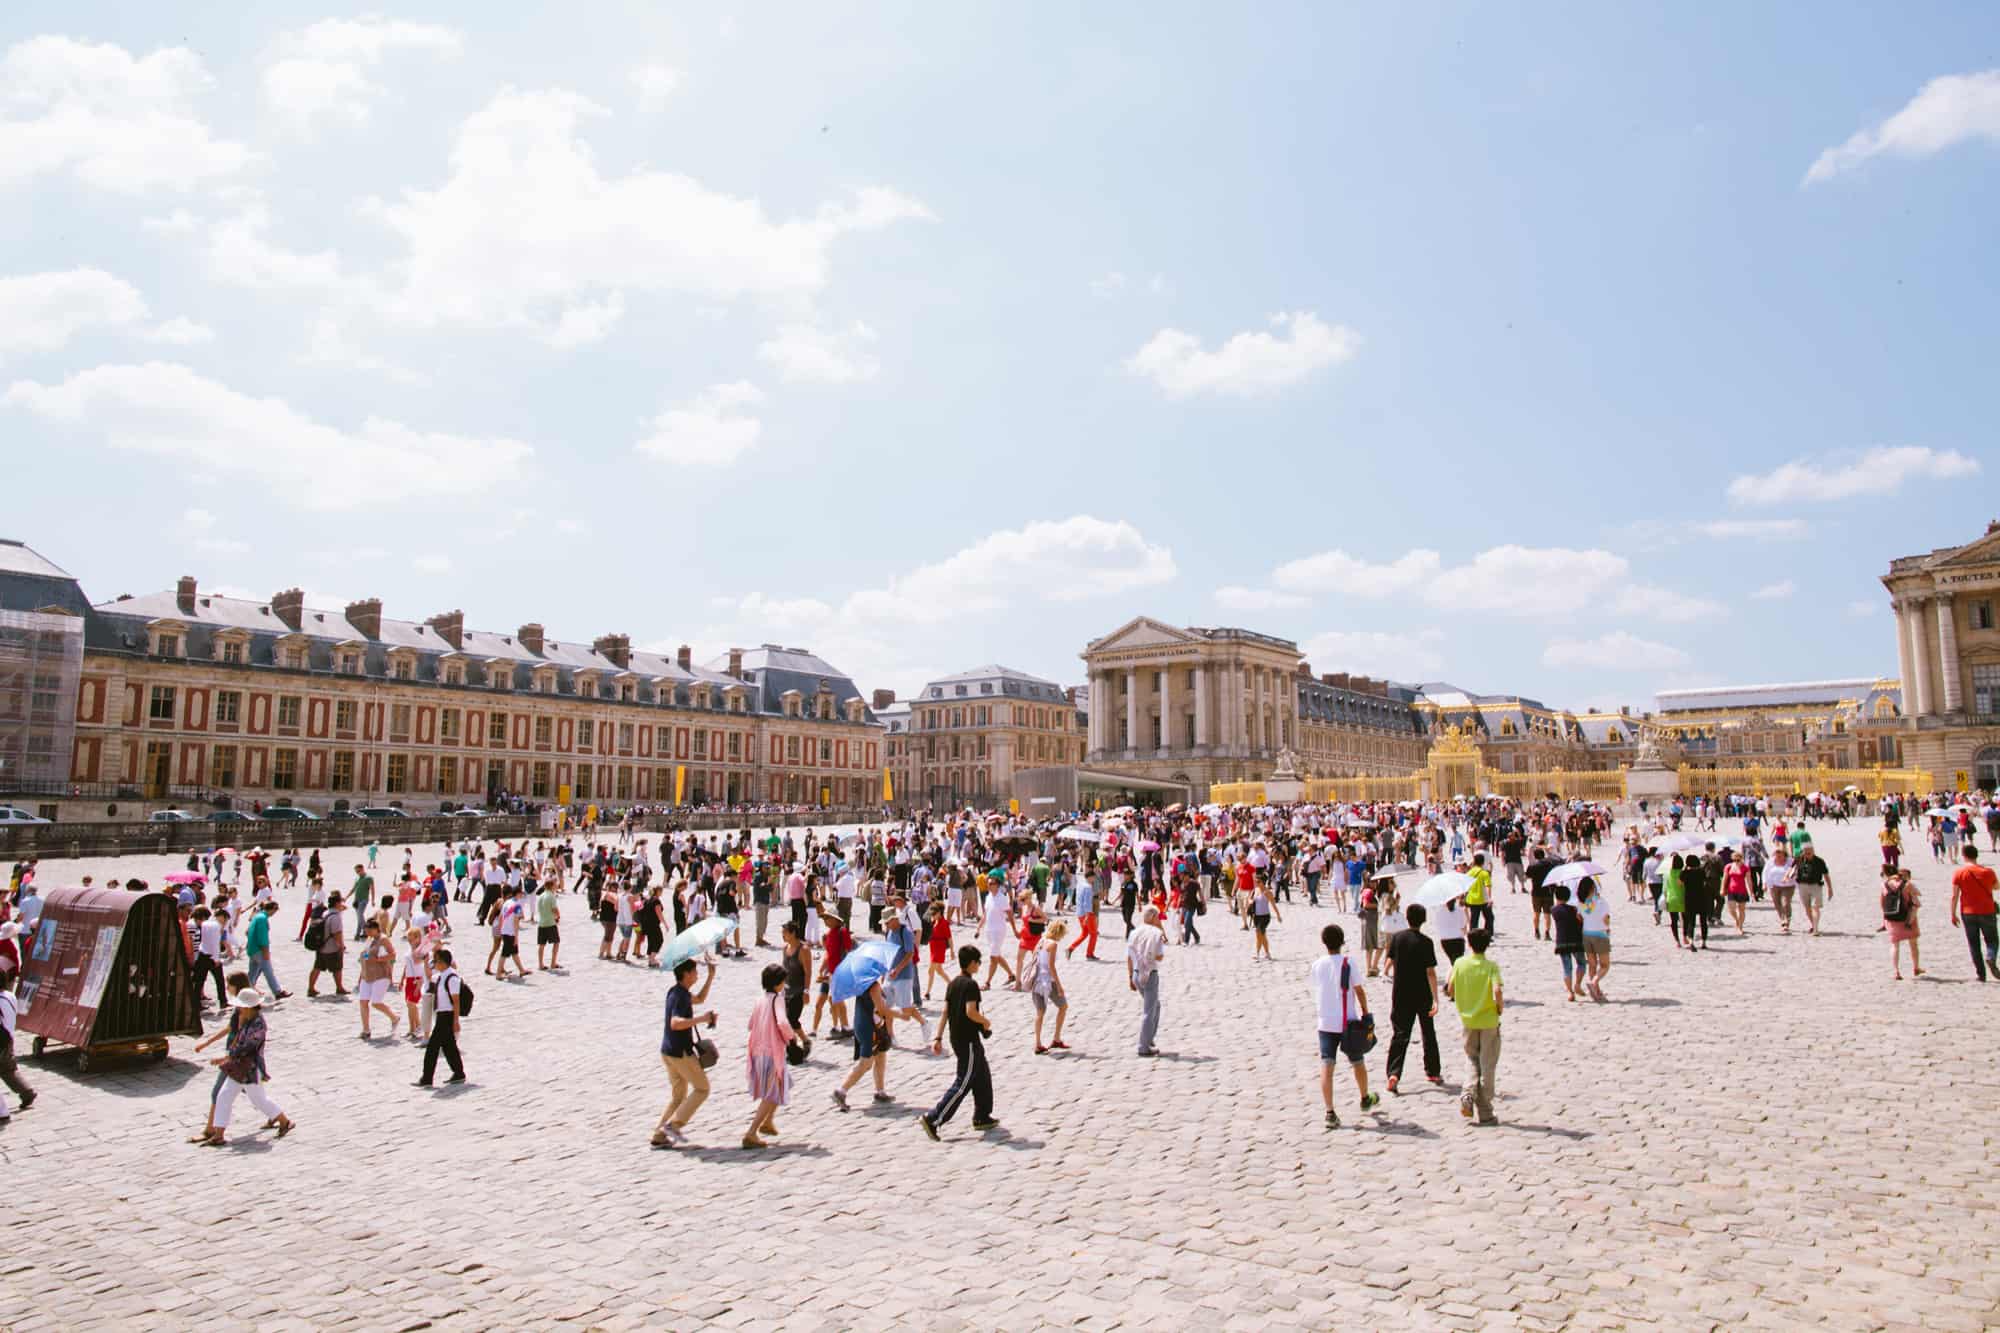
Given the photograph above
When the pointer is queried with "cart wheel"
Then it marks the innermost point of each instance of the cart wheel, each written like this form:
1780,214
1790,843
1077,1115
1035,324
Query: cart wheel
41,1044
159,1056
83,1062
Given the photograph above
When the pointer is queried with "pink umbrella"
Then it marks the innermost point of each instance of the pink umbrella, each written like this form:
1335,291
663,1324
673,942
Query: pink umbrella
1149,846
186,877
225,851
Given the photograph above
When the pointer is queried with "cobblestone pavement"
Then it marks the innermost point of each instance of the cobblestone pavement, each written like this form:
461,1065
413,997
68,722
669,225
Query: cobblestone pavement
1771,1135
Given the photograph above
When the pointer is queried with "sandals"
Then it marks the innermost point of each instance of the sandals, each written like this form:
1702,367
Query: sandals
207,1137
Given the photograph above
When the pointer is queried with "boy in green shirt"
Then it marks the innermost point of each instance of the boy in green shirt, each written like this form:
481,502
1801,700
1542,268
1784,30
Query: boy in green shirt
1475,988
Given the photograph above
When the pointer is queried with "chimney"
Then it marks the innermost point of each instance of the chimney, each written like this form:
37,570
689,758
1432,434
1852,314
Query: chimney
617,647
736,663
1333,678
1993,527
887,698
1069,693
184,594
531,638
289,606
450,627
366,616
685,658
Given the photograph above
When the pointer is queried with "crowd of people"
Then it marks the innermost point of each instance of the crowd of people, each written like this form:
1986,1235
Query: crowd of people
940,896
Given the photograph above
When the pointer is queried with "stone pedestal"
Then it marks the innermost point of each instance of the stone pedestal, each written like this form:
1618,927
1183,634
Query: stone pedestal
1283,791
1654,783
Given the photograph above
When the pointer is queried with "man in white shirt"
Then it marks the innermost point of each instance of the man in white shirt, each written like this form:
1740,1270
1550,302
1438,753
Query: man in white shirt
1340,1002
10,1074
446,988
1144,949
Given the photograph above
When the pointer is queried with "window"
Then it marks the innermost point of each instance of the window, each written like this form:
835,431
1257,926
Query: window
624,792
960,691
701,745
399,722
406,668
587,687
625,736
288,711
285,770
1981,615
343,771
399,772
544,731
448,774
161,707
448,724
343,715
222,766
232,652
292,659
735,745
1986,689
662,741
454,673
628,692
582,792
170,645
538,779
792,748
826,750
496,728
228,707
500,675
350,664
586,733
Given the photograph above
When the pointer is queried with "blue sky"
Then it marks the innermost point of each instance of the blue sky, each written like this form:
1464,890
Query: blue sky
1575,350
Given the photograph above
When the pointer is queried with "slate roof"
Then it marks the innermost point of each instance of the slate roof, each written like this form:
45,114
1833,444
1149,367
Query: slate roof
1781,695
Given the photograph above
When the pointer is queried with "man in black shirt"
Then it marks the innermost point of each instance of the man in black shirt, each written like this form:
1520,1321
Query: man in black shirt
1539,897
967,1027
1815,886
1413,996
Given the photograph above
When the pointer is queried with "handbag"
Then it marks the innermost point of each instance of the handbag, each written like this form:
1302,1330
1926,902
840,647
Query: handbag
705,1051
1357,1035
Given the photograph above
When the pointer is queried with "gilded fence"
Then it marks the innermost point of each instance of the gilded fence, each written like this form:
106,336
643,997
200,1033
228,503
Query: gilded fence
1802,779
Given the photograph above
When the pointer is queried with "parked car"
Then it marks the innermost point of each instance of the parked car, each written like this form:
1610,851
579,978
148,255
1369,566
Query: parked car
380,812
229,817
14,814
468,812
287,812
171,817
342,813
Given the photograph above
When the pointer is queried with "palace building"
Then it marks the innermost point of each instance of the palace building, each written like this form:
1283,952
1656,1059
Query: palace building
964,737
1948,643
1841,724
184,696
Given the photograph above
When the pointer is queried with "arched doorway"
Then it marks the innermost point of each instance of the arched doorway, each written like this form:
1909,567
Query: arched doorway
1986,768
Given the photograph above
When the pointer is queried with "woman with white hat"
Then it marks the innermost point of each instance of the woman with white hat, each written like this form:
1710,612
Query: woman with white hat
243,1071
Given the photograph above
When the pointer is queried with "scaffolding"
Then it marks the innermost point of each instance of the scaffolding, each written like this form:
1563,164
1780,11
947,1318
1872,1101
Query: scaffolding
41,663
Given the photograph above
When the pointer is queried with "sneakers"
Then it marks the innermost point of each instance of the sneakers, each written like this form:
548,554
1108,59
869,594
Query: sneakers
1392,1086
840,1099
884,1097
1371,1100
929,1127
1332,1120
1465,1107
983,1125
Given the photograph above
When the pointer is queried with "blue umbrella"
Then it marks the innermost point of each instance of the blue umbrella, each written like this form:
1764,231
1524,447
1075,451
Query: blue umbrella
702,936
861,969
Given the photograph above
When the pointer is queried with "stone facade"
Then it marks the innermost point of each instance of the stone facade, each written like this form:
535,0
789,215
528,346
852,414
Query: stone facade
1948,642
1201,706
1843,724
185,696
964,737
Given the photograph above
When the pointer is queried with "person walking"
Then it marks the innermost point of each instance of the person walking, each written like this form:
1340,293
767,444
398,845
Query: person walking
1086,915
1262,908
371,989
243,1073
1046,987
1566,925
1479,895
769,1073
687,1079
1815,885
967,1028
448,994
1145,947
1781,881
331,956
1596,915
1413,998
10,1071
871,1044
1736,891
1900,901
257,949
1342,1005
1972,887
1475,990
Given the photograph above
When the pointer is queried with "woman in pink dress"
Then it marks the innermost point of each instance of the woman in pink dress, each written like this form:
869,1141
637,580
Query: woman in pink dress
770,1076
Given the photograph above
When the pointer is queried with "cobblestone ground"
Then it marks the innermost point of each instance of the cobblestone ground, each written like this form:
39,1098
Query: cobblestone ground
1771,1135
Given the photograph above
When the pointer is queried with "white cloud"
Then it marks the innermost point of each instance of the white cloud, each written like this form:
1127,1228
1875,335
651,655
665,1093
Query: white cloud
1862,607
1238,598
328,346
1338,572
1877,472
432,563
323,72
804,353
1948,110
1397,656
1619,650
117,123
587,322
1249,363
655,85
41,312
180,332
1653,602
1753,529
1109,285
569,527
221,546
1550,581
709,430
1775,592
578,236
199,519
171,412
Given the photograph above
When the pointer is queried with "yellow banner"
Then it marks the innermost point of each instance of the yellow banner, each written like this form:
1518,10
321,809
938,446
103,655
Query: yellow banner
888,788
1013,805
1964,780
680,782
562,794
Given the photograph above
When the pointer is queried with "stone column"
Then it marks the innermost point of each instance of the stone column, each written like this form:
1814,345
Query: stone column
1920,644
1100,682
1256,709
1166,708
1201,705
1948,652
1132,708
1903,662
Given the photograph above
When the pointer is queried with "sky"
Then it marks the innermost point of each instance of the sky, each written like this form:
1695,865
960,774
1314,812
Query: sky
1571,350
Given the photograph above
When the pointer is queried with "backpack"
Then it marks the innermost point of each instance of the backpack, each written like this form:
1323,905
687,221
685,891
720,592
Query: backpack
316,931
464,995
1895,907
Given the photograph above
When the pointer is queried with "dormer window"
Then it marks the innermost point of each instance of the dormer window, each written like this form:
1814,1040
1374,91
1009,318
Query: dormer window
232,652
454,673
169,645
348,663
500,675
405,669
587,687
628,692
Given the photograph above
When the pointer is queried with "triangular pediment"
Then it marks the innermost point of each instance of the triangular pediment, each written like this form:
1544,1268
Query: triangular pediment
1143,632
1985,551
